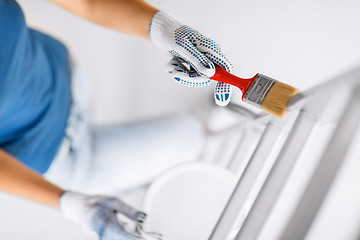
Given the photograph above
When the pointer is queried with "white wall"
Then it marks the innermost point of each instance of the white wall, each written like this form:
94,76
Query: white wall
127,73
302,43
299,42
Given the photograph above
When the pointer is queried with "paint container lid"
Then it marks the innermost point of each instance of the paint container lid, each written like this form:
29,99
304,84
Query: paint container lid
186,201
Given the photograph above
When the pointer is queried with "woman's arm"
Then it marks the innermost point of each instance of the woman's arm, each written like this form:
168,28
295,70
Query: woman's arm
127,16
19,180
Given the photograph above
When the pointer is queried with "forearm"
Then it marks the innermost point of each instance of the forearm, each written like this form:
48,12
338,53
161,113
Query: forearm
127,16
19,180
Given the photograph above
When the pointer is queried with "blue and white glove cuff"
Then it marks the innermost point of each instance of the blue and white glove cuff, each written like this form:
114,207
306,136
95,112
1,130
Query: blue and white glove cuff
75,206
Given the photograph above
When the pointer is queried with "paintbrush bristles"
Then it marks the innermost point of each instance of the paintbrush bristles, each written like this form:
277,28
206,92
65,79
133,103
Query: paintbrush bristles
277,98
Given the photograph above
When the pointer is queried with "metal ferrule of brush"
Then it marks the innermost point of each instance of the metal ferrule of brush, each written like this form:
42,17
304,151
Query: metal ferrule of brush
259,88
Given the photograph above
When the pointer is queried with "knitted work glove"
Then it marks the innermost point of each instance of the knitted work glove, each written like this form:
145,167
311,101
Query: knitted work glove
192,55
99,214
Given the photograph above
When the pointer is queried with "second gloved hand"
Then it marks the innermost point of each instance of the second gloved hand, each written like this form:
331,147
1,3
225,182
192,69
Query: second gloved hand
99,214
192,55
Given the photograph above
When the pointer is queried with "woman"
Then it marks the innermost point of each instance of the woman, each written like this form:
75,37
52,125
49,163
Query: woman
46,144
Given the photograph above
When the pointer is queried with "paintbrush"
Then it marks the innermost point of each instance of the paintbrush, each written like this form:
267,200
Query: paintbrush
260,91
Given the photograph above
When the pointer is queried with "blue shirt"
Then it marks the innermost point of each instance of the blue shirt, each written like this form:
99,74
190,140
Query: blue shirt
35,96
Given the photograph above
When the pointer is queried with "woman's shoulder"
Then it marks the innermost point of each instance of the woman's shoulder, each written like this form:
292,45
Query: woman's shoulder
11,14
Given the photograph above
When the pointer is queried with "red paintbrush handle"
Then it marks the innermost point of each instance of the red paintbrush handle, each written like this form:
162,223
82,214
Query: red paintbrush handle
222,75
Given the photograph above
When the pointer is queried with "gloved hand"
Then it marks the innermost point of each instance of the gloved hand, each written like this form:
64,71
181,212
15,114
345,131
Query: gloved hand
192,55
99,214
